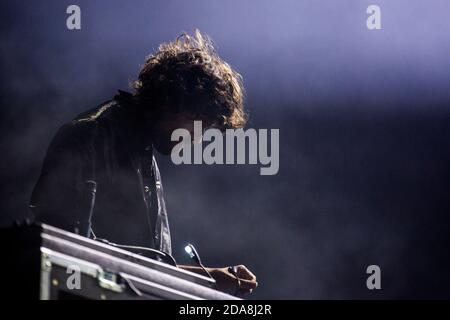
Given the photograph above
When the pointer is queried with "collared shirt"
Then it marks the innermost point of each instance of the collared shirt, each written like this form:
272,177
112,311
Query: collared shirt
100,176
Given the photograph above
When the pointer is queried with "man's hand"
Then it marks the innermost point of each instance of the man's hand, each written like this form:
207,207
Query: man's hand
238,283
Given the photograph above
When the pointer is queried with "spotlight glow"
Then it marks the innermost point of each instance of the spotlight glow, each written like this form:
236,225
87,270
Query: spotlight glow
189,251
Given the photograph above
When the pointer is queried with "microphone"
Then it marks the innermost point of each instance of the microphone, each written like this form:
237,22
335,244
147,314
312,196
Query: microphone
193,254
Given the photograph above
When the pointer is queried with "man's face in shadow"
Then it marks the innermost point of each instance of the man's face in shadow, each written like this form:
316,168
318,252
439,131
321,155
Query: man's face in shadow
163,128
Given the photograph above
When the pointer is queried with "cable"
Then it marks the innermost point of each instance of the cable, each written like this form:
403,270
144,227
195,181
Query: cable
193,254
132,286
234,271
167,257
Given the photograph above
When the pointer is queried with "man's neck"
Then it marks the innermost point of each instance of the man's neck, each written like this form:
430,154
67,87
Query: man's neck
133,124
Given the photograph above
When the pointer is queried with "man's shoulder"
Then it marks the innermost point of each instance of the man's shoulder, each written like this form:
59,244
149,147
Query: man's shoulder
85,124
77,130
96,124
92,116
76,133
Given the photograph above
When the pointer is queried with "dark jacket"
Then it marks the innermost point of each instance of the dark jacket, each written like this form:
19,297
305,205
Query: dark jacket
100,176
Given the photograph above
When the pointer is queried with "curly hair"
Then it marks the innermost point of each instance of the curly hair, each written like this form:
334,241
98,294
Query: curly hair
187,75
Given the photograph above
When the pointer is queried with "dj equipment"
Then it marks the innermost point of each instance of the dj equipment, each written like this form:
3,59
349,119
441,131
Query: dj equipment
43,262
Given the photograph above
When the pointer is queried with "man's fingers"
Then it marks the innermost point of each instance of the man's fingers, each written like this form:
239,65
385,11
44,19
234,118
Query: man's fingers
246,280
244,273
248,284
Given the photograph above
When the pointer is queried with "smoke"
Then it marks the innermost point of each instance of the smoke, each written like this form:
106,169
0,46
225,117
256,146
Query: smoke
363,119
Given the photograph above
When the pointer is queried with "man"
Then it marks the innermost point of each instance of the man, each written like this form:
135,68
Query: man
100,177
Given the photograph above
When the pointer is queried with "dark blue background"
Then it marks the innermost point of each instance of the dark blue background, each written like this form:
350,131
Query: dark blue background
364,125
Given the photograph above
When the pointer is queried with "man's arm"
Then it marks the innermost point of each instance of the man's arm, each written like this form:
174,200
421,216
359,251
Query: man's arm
60,197
243,284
